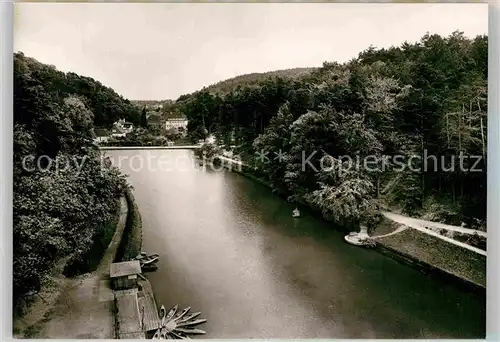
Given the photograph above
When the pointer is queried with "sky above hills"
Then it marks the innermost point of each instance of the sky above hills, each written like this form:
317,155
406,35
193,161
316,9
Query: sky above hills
157,51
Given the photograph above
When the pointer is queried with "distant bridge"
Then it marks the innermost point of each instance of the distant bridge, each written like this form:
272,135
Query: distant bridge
183,147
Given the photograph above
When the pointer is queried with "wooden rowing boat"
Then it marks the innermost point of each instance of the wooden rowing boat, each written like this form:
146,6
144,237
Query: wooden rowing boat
171,312
188,317
182,313
177,324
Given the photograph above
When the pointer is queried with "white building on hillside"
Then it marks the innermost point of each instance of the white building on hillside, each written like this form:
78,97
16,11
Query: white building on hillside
101,135
121,128
176,123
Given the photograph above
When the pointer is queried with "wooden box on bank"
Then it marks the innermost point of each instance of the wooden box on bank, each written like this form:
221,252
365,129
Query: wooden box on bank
124,275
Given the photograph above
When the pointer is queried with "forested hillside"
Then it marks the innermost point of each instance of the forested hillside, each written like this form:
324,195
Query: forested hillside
106,105
143,103
170,107
424,101
226,86
65,198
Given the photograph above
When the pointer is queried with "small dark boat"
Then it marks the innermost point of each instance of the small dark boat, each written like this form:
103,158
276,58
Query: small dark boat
151,264
163,312
149,267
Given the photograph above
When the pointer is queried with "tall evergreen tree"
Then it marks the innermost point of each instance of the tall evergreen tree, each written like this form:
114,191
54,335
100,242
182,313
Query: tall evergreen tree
144,118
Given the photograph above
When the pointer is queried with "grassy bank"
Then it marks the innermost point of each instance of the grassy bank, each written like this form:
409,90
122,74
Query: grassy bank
439,255
131,242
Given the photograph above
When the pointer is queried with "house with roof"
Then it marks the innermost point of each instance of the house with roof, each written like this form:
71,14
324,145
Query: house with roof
121,128
124,275
178,123
101,135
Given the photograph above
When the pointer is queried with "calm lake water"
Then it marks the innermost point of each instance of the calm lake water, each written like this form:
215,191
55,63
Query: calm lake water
230,249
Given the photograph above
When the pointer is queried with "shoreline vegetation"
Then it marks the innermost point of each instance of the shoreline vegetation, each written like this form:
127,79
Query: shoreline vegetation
60,214
140,137
390,102
89,261
428,254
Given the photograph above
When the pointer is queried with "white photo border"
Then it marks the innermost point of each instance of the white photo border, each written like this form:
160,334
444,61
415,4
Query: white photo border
493,175
6,142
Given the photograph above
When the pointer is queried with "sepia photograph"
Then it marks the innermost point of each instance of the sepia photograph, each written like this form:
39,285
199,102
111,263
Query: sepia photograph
249,170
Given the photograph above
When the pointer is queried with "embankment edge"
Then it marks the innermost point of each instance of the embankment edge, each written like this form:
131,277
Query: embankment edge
424,267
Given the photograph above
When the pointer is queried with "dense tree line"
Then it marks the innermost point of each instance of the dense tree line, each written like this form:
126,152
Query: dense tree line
106,105
140,137
148,103
65,195
426,100
226,86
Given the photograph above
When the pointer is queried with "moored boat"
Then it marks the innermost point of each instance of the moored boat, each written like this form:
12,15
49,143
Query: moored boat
143,257
163,313
149,261
172,312
188,317
182,313
149,267
178,324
